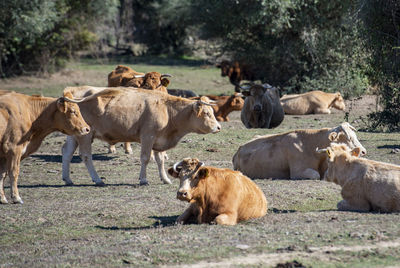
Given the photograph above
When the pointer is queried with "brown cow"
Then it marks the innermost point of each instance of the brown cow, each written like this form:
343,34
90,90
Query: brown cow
292,154
313,102
24,122
237,71
224,105
156,120
217,195
367,185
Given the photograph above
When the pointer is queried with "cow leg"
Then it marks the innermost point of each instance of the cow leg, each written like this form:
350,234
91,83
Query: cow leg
308,173
3,168
145,152
128,148
226,219
85,152
189,213
67,151
13,165
354,204
112,149
159,156
322,111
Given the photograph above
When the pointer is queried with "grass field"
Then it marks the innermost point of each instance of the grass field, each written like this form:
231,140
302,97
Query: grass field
127,225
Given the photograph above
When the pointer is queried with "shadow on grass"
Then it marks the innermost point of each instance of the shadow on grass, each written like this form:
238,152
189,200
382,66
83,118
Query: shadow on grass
163,221
389,147
75,158
281,211
74,185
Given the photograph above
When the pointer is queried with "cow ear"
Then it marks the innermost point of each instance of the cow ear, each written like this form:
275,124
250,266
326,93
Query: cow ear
333,136
61,105
203,173
356,152
165,82
173,173
198,108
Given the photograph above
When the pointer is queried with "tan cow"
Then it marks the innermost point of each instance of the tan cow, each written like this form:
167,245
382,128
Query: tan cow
292,154
224,105
217,195
313,102
156,120
124,76
367,185
24,122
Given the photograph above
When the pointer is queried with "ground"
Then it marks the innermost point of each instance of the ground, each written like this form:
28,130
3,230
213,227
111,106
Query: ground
125,224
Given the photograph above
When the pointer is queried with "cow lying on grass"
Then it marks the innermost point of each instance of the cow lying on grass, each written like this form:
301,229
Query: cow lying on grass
313,102
24,122
217,195
224,105
292,154
155,120
367,185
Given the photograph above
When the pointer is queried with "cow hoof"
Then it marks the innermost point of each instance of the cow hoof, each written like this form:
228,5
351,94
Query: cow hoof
100,184
128,152
69,183
143,183
3,201
17,200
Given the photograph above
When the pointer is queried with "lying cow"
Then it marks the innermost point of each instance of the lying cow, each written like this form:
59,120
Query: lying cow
367,185
217,195
185,93
292,154
224,105
262,108
313,102
156,120
24,122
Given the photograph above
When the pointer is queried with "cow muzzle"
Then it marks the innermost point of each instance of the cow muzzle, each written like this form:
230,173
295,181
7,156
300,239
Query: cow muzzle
257,108
183,195
85,130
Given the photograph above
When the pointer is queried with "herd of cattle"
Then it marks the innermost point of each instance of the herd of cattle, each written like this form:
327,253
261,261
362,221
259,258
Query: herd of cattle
138,107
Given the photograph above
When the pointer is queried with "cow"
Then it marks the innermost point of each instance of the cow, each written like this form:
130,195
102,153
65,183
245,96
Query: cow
313,102
185,93
24,122
262,107
367,185
156,120
217,195
124,76
292,154
237,71
224,105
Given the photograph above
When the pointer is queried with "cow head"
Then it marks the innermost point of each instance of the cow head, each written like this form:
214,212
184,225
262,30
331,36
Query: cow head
226,68
338,102
345,134
189,173
202,120
68,117
337,157
255,95
236,101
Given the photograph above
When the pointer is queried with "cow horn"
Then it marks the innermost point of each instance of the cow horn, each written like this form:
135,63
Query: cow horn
175,166
320,150
209,104
266,85
74,100
166,75
139,75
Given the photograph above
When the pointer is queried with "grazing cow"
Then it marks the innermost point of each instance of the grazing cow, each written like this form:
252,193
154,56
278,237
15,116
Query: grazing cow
24,122
217,195
185,93
292,154
313,102
367,185
124,76
224,105
157,121
237,71
262,108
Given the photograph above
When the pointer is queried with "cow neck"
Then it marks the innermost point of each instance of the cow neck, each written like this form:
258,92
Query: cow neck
342,169
207,191
332,101
226,108
179,117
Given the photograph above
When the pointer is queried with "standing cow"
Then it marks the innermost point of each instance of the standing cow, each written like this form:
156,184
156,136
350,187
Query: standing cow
313,102
262,107
367,185
24,122
217,195
156,120
292,154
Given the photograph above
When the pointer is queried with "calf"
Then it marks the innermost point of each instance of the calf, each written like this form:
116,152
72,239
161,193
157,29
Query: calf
313,102
156,120
217,195
367,185
292,154
24,122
